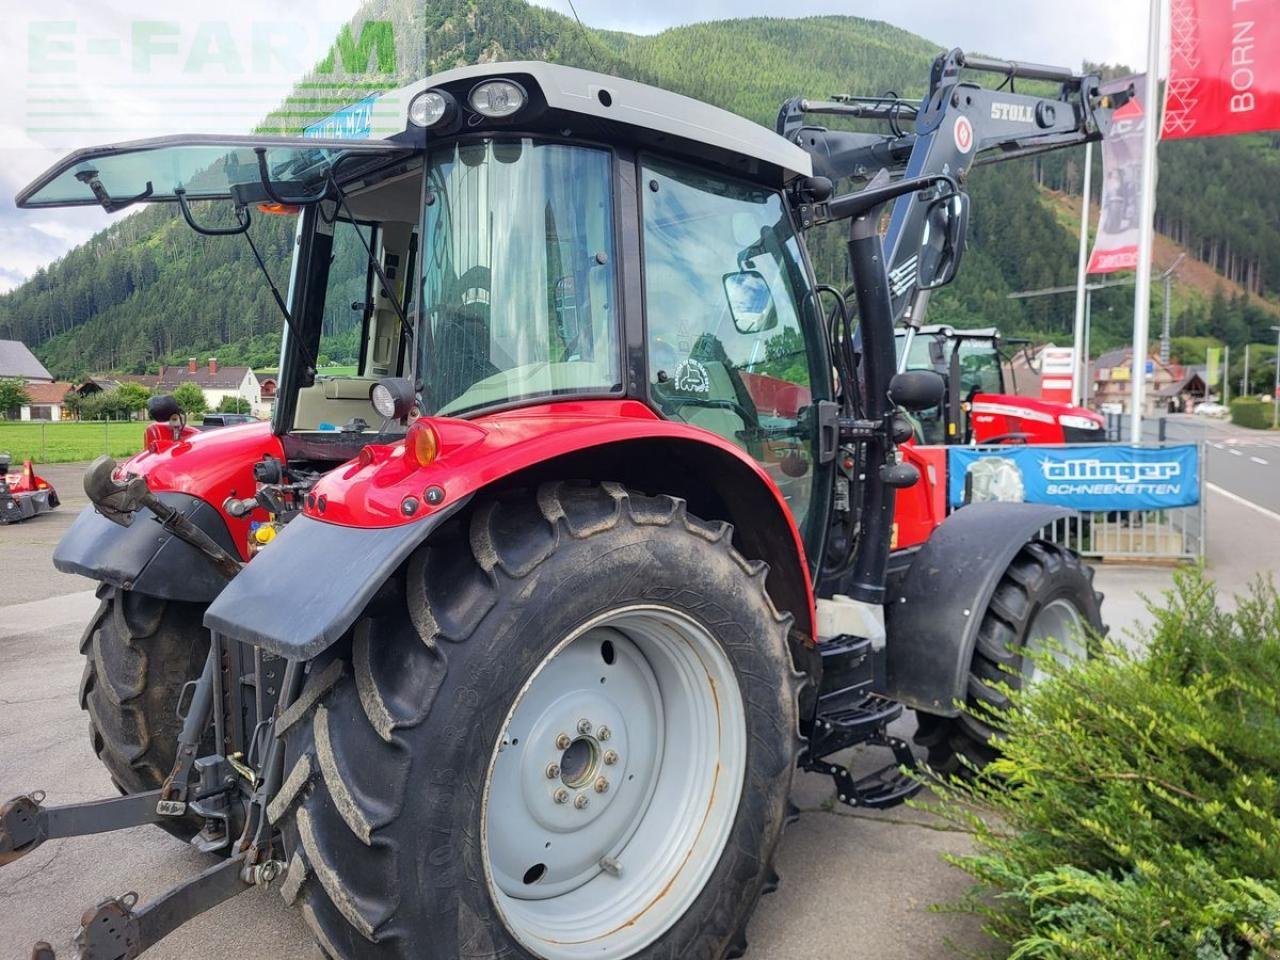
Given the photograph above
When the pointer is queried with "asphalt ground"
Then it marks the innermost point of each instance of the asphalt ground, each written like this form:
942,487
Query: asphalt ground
854,883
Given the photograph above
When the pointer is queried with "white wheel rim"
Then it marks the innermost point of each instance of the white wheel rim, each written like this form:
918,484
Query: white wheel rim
1057,631
605,876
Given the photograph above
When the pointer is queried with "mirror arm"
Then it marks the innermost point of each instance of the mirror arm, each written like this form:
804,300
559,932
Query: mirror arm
850,205
242,215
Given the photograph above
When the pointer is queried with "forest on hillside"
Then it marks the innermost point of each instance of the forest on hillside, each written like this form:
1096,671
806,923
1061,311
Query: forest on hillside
147,290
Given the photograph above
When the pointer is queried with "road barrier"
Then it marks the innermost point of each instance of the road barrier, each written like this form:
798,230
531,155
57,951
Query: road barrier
1133,502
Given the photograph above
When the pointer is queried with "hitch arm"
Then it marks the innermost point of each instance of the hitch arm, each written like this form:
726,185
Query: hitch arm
25,822
113,930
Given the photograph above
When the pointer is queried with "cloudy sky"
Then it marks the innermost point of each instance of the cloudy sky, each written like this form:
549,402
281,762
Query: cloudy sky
74,73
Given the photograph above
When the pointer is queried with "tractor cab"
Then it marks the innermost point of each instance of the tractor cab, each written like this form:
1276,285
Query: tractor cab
979,404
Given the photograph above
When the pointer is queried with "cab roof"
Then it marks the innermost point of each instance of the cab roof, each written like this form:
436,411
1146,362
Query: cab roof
624,110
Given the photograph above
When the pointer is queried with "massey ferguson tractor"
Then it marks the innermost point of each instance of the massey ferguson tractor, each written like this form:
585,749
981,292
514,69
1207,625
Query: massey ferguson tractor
976,405
510,644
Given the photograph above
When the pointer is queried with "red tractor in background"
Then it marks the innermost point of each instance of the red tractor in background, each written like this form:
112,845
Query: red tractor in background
23,494
512,642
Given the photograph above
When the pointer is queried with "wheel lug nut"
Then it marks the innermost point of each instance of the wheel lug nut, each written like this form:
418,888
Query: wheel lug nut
604,733
610,757
584,726
563,741
561,795
581,801
602,785
553,770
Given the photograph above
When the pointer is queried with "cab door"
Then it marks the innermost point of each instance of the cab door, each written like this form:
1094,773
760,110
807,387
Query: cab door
730,346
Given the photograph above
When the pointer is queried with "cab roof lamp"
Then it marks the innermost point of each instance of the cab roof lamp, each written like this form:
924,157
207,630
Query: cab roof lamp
432,108
497,99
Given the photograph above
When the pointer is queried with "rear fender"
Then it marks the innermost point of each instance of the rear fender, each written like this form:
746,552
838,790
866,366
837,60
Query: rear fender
196,476
308,587
934,610
144,556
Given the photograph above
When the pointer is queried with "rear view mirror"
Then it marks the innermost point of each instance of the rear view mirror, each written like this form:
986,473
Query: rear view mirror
750,302
947,222
916,389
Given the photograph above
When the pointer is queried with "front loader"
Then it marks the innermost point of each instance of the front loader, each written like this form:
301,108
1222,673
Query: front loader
510,644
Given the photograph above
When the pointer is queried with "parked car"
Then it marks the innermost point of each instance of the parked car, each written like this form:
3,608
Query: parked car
212,420
1211,408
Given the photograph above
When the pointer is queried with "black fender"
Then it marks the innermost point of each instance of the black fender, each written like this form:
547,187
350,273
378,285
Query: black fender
144,556
306,588
933,611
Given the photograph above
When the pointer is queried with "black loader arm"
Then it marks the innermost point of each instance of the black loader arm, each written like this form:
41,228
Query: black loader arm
956,126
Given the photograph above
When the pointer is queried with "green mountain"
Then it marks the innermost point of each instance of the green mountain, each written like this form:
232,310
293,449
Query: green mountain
147,290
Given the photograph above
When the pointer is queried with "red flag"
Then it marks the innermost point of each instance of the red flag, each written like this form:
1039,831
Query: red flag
1224,68
1116,245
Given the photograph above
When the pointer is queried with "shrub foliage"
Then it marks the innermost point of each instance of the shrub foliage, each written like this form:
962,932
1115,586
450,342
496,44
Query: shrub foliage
1251,412
1135,811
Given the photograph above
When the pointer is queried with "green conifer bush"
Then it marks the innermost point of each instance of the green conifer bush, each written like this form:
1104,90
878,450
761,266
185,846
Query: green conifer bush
1134,812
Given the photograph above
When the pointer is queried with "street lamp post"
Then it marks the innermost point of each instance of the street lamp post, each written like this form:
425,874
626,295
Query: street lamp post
1275,393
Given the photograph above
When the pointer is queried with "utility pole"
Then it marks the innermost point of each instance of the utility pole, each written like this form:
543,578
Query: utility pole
1226,375
1275,395
1244,379
1167,277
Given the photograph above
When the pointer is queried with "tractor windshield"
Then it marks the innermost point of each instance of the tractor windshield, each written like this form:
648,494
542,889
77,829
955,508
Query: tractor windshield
518,296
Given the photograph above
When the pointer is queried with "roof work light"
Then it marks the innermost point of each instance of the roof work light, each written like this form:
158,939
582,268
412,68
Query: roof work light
497,99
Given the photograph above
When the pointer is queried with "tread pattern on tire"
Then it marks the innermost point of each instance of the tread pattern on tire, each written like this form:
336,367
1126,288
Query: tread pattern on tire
339,809
139,652
955,744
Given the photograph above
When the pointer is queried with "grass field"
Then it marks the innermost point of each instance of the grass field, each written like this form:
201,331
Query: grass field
67,442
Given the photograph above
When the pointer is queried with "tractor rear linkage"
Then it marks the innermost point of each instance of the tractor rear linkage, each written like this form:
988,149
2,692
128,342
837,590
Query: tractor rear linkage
114,929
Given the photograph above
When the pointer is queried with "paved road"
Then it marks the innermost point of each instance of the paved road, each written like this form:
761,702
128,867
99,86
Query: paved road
1239,460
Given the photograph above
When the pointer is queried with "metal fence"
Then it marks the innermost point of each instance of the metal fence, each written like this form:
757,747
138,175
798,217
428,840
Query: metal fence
1168,536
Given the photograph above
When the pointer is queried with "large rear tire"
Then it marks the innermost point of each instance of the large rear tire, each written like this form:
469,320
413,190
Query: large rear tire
568,730
1044,605
139,652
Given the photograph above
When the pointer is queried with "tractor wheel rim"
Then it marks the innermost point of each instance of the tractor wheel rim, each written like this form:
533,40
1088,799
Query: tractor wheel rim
645,700
1056,631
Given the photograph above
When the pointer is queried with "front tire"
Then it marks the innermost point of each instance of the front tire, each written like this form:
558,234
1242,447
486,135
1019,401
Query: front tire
1044,605
443,794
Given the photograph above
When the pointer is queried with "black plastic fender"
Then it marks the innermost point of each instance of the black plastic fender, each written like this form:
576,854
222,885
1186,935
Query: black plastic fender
933,611
144,556
307,587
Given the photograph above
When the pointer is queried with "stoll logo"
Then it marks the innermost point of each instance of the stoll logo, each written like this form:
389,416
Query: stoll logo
1092,475
1018,112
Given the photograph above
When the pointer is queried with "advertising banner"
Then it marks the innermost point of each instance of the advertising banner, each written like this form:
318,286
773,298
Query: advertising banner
1224,68
1212,366
1081,477
1116,245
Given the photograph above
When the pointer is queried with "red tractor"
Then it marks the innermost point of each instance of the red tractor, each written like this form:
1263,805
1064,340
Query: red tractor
513,640
23,494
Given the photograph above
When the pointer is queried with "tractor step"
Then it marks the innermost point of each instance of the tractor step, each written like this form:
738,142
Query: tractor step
849,721
889,786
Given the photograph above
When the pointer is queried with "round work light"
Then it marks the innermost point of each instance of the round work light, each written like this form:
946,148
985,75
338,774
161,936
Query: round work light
431,108
497,99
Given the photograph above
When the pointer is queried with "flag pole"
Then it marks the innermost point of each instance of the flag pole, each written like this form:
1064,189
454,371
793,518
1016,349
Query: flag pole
1146,217
1081,361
